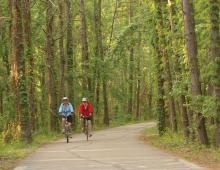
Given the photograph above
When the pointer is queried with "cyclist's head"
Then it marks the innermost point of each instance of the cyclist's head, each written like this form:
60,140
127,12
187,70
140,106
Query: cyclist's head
65,99
84,100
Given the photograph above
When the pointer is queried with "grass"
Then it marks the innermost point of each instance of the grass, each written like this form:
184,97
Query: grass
174,143
10,153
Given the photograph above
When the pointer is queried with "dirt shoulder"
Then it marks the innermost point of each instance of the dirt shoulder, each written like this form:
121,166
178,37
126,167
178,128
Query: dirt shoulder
201,155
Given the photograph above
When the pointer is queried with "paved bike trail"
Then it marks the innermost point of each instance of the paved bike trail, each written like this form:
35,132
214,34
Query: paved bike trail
112,149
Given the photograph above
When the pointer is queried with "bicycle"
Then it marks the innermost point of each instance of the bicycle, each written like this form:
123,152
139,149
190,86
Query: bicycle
86,127
67,132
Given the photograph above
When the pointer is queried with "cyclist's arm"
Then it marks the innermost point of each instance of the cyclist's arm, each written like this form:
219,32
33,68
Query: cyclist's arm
81,115
71,108
60,109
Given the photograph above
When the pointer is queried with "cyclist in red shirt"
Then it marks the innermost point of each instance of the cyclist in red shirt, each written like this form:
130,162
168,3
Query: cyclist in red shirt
86,111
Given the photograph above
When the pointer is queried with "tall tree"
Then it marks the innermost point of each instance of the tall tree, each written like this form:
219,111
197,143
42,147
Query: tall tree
97,54
215,56
18,70
50,59
1,57
86,83
61,47
70,51
174,38
138,77
159,73
192,52
29,55
167,67
131,64
99,48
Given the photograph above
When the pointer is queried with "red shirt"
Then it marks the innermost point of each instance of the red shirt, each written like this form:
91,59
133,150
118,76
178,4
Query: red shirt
85,111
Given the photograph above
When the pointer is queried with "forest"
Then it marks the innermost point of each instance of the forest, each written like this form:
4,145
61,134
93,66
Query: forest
134,59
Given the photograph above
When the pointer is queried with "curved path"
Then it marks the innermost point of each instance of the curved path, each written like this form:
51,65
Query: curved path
111,149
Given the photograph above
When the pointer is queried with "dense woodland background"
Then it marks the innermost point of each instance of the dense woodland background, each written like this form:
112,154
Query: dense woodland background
134,59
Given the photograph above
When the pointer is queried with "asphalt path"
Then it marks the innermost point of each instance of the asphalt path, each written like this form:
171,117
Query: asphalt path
111,149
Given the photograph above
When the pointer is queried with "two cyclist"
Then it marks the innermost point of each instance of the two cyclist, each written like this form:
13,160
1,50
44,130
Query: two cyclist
85,110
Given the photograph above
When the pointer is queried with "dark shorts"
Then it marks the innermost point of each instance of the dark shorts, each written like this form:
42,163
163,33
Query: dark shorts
69,118
88,118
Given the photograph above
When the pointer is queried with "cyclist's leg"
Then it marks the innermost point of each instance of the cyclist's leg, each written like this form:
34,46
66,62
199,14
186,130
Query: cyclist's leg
70,120
82,122
63,123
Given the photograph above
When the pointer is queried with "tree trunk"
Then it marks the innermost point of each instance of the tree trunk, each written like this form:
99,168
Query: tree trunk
61,47
185,118
1,102
130,81
4,42
97,99
160,79
105,98
86,83
70,56
160,101
2,56
166,54
171,102
150,99
18,70
44,97
13,64
138,116
177,64
113,22
29,56
97,53
99,45
131,67
50,65
192,51
215,56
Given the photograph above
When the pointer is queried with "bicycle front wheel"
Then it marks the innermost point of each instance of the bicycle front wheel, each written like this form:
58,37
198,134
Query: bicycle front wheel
67,134
87,130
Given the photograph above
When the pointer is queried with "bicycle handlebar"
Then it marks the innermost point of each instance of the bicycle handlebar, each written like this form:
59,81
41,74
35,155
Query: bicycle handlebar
65,114
85,117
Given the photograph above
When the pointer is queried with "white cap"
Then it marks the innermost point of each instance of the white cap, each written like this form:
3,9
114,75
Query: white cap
84,99
65,98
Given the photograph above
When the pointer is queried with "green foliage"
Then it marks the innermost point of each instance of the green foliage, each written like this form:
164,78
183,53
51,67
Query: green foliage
180,85
207,105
